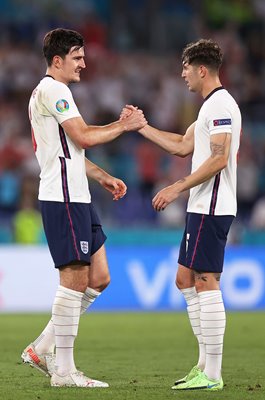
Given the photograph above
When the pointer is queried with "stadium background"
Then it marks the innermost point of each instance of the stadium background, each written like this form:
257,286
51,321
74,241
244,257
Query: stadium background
133,56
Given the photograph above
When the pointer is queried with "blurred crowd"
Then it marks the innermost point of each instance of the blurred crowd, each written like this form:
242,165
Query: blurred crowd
133,51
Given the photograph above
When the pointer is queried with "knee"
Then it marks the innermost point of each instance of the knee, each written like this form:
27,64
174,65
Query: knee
204,285
184,278
179,282
199,286
103,283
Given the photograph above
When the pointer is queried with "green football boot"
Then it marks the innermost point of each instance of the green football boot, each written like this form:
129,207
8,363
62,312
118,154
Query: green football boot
193,372
201,382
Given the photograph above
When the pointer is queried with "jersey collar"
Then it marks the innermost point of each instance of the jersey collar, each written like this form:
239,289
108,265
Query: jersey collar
213,91
48,76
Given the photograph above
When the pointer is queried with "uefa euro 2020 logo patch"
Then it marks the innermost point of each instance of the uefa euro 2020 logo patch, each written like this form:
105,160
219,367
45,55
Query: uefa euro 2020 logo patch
62,105
84,246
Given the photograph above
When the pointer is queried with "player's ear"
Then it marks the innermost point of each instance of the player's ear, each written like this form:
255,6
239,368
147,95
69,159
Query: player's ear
202,71
57,61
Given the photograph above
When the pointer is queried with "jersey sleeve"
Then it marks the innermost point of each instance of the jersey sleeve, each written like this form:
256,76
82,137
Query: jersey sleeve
59,102
219,120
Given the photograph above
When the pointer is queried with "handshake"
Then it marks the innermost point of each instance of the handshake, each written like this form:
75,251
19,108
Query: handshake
132,118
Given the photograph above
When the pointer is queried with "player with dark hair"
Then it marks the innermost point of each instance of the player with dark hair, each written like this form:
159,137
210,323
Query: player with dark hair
214,141
72,227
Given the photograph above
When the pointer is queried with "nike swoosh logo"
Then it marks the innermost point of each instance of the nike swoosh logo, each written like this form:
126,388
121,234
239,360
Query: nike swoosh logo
211,386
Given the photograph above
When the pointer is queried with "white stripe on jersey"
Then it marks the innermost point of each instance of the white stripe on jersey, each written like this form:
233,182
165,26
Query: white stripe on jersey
62,163
219,113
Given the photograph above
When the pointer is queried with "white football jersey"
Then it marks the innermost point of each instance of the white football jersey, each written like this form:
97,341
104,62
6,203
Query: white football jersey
218,114
62,162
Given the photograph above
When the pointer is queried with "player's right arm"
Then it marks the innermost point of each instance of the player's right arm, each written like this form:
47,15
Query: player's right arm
86,136
57,99
173,143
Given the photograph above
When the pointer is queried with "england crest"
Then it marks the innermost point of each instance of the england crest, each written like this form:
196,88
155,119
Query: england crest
84,246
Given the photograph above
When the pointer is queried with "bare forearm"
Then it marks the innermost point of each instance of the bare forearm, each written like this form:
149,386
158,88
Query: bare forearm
94,172
113,185
220,150
220,145
210,168
95,135
86,136
171,142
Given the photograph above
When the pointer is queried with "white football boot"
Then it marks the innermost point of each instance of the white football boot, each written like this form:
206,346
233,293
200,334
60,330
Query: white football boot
76,379
45,362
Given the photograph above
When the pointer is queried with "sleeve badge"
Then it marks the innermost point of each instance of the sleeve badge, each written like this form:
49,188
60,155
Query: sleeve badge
62,105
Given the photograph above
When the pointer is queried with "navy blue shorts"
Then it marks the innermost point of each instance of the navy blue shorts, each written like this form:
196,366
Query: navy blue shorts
203,243
73,231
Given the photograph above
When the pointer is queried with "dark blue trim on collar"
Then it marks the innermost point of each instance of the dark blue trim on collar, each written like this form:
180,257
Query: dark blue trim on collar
213,91
48,76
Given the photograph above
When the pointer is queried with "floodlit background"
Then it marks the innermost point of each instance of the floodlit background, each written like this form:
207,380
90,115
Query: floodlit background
133,53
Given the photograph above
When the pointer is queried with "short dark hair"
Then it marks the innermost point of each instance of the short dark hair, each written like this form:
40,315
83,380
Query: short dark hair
58,42
203,52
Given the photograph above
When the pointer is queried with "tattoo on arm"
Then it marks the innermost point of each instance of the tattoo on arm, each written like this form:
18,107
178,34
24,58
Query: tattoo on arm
218,149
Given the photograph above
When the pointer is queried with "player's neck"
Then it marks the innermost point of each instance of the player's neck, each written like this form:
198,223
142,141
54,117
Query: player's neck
55,74
209,86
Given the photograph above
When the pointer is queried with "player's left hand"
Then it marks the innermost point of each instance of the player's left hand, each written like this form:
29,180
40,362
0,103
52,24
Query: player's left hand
163,198
115,186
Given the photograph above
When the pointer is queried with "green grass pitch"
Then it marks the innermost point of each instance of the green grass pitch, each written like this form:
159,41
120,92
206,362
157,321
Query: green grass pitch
139,354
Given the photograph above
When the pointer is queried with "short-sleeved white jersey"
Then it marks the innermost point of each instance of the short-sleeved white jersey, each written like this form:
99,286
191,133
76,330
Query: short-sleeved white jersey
62,162
218,114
